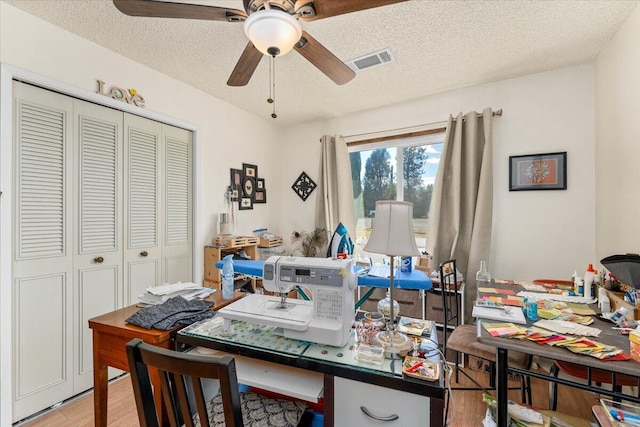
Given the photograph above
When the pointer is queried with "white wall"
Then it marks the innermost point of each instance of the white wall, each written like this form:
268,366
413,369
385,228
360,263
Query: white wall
617,91
536,234
228,136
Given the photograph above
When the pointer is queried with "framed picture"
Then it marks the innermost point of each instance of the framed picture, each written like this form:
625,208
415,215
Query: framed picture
245,203
250,171
538,172
260,184
236,183
260,196
248,187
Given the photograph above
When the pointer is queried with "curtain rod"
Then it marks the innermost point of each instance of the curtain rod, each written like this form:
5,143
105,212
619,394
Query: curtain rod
495,113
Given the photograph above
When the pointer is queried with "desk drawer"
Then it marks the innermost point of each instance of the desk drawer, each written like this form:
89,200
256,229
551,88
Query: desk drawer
350,396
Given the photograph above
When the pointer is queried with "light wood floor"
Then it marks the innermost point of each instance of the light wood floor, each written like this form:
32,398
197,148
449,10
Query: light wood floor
469,409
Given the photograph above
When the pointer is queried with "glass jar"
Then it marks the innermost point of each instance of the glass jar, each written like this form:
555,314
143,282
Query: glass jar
375,319
384,306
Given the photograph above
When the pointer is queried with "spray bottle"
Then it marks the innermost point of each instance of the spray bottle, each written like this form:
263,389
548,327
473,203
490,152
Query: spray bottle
227,277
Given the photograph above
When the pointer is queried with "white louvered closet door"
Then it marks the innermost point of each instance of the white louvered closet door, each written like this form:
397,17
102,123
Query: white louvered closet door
142,217
98,230
177,205
42,258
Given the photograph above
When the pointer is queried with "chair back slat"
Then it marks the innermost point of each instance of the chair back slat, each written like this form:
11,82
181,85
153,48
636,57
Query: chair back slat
178,373
201,403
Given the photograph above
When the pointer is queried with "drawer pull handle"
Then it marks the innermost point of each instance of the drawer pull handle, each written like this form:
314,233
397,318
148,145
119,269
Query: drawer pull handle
98,260
368,413
144,253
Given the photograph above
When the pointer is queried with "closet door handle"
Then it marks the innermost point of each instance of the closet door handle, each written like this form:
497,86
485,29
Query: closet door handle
98,260
368,413
144,253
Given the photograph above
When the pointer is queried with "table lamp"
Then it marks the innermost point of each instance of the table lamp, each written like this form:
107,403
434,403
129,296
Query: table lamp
392,235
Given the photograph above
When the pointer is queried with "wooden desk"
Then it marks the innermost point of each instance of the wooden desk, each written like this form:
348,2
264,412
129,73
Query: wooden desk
110,335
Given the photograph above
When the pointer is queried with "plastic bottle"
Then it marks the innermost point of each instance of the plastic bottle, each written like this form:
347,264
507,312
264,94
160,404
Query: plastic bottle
578,287
227,277
483,278
533,310
573,277
589,277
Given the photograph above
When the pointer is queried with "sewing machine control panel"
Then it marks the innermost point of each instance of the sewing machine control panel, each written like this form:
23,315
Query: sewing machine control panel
311,276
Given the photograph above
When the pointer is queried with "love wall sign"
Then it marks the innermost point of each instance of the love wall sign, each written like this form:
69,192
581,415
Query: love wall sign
130,96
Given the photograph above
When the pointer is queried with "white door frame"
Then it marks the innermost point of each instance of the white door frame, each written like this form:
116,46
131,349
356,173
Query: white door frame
7,74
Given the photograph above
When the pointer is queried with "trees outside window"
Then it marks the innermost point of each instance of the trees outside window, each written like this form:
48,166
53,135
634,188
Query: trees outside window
414,160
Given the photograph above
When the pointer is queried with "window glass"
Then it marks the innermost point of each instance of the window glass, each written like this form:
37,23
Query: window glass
400,169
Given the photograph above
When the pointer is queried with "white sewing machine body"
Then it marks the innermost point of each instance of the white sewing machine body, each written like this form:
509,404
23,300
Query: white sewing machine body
326,319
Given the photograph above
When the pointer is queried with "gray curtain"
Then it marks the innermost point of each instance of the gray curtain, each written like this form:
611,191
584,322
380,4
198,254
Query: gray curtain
461,209
335,191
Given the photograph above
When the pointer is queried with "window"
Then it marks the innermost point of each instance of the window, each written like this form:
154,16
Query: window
375,168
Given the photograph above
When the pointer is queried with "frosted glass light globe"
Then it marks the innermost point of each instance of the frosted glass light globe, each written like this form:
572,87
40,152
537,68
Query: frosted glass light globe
273,32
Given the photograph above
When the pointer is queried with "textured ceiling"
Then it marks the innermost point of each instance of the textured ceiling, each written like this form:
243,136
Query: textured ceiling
438,46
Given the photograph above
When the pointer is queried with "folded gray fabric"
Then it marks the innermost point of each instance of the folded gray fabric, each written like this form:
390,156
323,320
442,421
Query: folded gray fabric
171,313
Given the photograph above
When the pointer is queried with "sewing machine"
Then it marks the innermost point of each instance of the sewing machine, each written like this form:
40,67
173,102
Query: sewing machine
325,319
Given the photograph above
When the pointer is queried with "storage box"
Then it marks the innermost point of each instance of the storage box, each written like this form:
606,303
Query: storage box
634,345
270,243
235,241
424,264
616,299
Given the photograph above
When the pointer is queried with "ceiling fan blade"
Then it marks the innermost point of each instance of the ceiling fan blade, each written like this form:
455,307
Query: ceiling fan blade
245,67
327,8
324,60
162,9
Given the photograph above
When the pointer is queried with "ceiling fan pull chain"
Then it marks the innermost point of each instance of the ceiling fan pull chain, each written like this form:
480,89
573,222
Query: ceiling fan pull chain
272,85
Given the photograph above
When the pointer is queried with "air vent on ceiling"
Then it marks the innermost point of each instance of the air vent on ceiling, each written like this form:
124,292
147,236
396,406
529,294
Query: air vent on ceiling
371,60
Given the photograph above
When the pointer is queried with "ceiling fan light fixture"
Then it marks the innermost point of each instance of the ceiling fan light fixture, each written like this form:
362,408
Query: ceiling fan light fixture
273,32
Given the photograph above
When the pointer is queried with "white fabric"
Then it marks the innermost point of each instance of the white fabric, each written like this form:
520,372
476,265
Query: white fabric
335,191
460,216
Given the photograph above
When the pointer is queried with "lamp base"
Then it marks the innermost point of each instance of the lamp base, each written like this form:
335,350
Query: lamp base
395,344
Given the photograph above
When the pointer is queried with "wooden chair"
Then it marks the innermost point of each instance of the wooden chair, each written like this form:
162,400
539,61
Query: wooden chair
182,372
462,339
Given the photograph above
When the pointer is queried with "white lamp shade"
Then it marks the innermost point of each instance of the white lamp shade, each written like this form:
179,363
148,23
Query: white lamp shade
271,28
392,232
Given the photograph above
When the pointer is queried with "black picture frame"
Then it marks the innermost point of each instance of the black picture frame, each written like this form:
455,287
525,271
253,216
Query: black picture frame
303,186
235,179
249,170
546,171
245,203
260,184
260,196
248,187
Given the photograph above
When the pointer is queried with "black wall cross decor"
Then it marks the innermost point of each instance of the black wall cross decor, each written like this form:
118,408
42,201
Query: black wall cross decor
303,186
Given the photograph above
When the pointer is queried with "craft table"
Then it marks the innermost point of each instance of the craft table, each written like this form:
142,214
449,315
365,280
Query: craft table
607,336
110,335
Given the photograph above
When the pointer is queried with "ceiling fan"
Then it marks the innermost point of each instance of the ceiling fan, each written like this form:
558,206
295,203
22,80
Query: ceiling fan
271,25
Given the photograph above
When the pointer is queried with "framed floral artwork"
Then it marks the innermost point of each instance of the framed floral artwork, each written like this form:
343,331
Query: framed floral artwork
538,172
